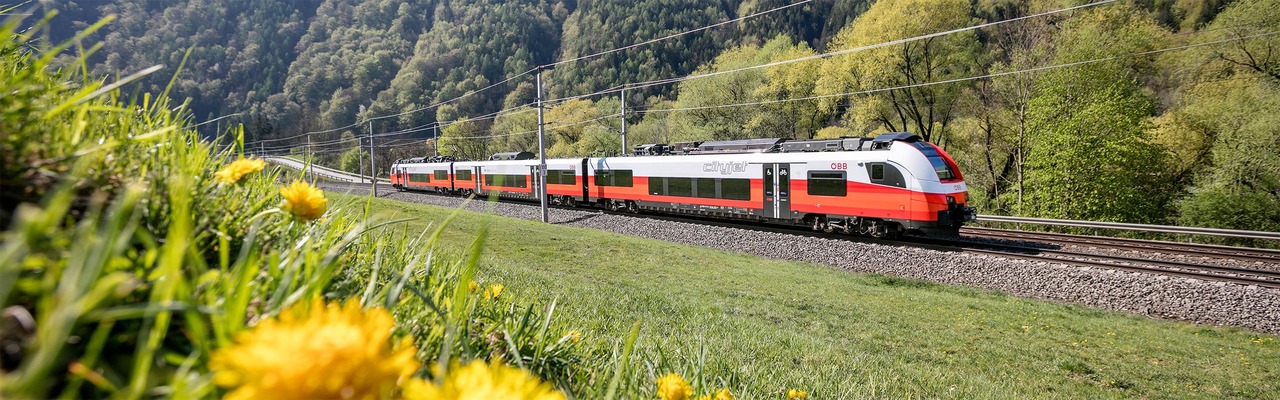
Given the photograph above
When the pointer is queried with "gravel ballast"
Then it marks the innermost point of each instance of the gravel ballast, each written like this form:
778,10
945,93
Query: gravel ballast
1161,296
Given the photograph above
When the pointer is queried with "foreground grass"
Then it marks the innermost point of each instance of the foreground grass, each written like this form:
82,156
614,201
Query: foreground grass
759,326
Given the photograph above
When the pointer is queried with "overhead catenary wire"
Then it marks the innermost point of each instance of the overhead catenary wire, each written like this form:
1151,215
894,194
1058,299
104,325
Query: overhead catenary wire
667,81
970,78
813,57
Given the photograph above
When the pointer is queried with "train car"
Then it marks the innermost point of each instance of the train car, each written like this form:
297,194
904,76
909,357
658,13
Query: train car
880,187
883,187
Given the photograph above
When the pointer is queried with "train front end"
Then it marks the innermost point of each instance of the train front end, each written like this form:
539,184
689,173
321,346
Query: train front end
943,197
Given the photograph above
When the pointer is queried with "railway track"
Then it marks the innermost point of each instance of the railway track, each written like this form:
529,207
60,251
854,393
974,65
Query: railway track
1237,275
1191,249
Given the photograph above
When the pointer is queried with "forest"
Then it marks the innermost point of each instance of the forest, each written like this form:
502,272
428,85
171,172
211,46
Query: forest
1148,111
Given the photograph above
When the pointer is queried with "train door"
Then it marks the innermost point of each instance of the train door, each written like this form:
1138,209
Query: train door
777,190
586,191
453,178
475,175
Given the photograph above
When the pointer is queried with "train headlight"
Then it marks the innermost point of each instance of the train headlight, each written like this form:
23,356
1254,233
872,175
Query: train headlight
951,200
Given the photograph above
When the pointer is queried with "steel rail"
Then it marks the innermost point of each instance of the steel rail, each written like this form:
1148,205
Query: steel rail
1133,227
1192,249
1246,276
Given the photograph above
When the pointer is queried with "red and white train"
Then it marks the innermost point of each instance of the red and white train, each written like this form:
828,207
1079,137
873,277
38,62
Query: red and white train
883,187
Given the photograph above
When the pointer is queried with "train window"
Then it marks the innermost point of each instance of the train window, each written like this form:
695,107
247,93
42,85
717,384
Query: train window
622,177
568,177
885,174
680,187
656,186
828,183
442,175
556,177
735,189
616,177
707,188
419,178
464,175
517,181
940,165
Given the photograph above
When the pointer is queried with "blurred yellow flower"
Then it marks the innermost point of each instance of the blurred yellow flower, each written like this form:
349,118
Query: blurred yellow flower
493,291
304,201
723,394
238,169
574,335
480,381
473,286
317,350
672,386
797,394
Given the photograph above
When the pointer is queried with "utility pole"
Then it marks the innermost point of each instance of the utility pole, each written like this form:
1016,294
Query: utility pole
623,116
373,167
542,154
310,155
435,139
360,153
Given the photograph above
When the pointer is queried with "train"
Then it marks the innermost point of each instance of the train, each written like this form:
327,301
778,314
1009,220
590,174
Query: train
886,186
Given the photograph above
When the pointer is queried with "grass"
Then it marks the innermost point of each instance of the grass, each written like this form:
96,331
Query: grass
759,326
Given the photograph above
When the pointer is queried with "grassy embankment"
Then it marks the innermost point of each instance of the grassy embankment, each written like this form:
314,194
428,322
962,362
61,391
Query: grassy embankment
758,326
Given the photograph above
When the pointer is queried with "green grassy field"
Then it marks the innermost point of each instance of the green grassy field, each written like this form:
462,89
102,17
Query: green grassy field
759,326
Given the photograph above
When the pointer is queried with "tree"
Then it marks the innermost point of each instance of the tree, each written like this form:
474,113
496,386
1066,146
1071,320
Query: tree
1240,23
924,110
1091,158
1237,180
993,136
463,140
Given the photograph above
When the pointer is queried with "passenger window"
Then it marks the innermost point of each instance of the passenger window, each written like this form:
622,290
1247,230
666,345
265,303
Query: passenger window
442,175
707,188
828,183
735,189
464,175
656,186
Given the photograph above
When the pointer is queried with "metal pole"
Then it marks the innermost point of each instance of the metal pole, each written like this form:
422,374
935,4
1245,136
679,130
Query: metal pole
435,139
373,167
310,155
623,116
542,154
360,153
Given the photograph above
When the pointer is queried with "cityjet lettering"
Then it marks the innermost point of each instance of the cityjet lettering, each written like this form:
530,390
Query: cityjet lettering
725,168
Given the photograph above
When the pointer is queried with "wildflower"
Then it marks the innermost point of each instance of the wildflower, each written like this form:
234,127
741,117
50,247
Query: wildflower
493,291
480,380
673,387
324,351
797,394
238,169
304,201
723,394
574,335
473,286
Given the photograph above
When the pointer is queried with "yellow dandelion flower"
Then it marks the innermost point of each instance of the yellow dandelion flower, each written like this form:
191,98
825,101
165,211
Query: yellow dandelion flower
324,351
238,169
672,386
304,201
723,394
480,380
473,286
493,291
797,394
574,335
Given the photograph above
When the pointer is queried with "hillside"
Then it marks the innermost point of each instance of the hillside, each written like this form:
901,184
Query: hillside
1136,111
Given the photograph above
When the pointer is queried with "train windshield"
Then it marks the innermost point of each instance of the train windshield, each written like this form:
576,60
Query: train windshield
940,164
